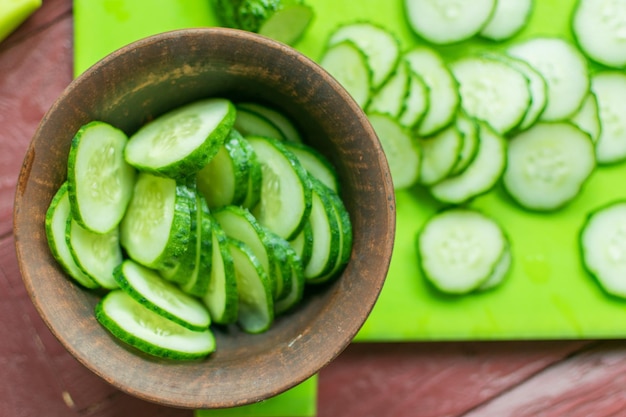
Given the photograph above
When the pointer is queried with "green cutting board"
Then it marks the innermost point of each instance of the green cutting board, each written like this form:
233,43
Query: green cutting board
547,295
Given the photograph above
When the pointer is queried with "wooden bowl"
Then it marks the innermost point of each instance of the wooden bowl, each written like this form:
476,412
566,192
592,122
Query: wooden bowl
145,79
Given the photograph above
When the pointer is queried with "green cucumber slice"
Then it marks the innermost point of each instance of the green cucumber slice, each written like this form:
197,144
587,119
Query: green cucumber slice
390,98
57,216
458,249
440,153
588,117
290,300
182,141
548,164
224,180
96,254
402,151
500,271
200,276
249,122
285,201
303,243
142,328
468,128
156,228
416,101
286,127
316,164
221,295
610,88
256,304
603,246
508,18
99,179
147,287
349,66
281,270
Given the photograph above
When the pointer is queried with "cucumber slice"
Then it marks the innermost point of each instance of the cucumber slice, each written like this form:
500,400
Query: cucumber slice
509,17
99,179
286,127
142,328
564,69
443,95
225,179
255,177
303,243
481,175
392,95
199,276
610,89
296,292
281,270
416,102
381,48
402,152
598,27
182,141
440,153
458,249
326,236
221,295
285,201
492,91
148,288
316,164
57,216
446,22
96,254
603,246
239,224
548,164
587,118
249,123
469,130
256,305
350,67
500,271
156,228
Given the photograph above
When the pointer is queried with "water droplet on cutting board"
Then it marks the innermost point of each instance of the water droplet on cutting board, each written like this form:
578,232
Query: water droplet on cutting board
537,268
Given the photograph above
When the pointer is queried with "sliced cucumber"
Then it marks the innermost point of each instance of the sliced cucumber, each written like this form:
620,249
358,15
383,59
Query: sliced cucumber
288,22
610,90
508,18
443,95
225,179
500,271
57,216
459,249
548,164
349,66
381,48
281,270
255,178
96,254
285,201
296,292
99,179
468,128
391,96
481,175
286,127
146,330
402,152
182,141
316,164
603,247
249,122
492,91
199,276
440,154
588,117
564,69
598,27
148,288
303,243
446,22
416,102
221,295
256,304
326,236
156,228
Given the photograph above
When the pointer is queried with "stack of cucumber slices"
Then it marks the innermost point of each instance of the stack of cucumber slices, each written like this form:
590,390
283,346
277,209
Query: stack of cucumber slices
535,116
215,213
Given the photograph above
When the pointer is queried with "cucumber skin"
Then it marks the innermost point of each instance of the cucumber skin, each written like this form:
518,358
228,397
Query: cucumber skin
202,269
199,157
141,344
289,301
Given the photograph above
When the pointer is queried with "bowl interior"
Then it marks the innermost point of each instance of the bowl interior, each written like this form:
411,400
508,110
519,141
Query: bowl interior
136,84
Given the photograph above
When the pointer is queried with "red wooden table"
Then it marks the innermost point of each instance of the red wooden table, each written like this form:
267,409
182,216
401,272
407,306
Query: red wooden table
38,377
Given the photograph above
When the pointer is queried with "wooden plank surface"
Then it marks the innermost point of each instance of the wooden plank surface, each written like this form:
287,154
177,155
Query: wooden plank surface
573,378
